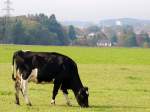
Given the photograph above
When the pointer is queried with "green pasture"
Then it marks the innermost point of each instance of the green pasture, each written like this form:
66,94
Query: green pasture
118,80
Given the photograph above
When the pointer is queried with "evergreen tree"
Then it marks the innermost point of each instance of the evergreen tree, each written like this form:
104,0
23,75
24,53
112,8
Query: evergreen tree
146,38
43,19
131,40
55,27
72,33
113,39
2,29
18,33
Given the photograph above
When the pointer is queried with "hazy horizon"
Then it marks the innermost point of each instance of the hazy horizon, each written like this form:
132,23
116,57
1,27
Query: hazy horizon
85,10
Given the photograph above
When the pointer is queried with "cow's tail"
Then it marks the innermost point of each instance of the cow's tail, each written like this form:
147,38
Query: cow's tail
13,68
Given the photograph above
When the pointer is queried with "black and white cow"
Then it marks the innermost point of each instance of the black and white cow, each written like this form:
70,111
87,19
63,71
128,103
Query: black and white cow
47,67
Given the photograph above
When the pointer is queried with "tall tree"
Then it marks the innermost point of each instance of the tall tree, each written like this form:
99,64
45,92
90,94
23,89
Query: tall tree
131,40
2,29
146,37
131,36
55,27
113,39
43,19
72,33
18,33
146,40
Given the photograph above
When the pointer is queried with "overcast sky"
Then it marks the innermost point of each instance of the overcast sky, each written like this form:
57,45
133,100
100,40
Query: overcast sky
84,10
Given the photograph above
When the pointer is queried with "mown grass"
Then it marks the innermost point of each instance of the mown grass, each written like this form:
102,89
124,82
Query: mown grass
118,80
86,55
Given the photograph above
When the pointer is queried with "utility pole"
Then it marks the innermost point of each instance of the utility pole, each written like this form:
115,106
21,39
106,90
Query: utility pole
7,9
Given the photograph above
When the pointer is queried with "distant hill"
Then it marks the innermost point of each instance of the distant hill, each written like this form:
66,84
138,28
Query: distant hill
109,22
124,21
80,24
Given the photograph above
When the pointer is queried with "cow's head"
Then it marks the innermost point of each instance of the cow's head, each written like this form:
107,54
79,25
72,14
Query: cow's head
82,97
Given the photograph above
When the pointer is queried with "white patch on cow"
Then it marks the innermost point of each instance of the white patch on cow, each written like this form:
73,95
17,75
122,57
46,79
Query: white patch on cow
18,75
67,99
52,101
33,75
17,71
87,92
24,87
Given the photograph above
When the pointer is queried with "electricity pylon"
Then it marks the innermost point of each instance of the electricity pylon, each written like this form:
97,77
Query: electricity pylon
7,9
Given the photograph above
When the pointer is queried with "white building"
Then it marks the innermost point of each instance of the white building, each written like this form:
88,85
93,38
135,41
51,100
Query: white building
104,43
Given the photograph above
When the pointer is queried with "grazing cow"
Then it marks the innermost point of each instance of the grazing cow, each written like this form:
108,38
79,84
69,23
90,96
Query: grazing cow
47,67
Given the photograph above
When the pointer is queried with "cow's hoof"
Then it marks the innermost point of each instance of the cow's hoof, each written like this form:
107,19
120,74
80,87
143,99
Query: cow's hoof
17,103
53,102
29,104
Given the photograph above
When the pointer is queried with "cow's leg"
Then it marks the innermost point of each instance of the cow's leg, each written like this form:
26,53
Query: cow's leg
55,91
25,91
65,93
17,88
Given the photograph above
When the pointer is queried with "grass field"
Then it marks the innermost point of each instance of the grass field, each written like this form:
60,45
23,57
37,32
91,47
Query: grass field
118,80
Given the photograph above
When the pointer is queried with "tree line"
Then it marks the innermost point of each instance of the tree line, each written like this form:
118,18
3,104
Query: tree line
35,29
41,29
